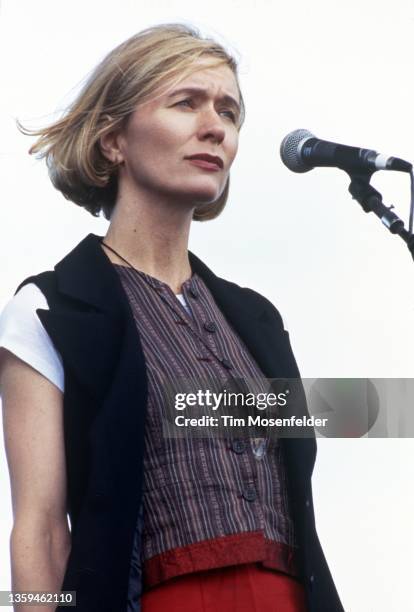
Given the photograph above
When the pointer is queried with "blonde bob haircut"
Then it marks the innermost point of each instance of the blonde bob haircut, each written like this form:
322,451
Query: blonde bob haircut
129,75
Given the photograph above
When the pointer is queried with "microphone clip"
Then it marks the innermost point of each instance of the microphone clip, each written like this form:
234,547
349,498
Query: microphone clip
371,201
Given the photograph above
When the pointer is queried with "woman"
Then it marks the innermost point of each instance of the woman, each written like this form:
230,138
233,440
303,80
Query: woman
181,524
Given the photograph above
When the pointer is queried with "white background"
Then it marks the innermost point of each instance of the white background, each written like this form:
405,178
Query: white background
343,284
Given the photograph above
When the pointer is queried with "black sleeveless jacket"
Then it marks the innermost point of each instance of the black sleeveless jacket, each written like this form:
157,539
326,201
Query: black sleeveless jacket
91,324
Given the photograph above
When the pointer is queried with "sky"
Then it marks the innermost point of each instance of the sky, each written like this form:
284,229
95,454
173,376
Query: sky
341,281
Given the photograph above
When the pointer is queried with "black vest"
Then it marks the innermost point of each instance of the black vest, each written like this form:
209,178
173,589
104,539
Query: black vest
91,325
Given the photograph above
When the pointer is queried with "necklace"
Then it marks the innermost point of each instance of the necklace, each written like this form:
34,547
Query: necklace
123,258
118,255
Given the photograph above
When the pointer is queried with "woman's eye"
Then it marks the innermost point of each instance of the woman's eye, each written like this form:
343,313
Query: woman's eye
189,102
186,101
231,115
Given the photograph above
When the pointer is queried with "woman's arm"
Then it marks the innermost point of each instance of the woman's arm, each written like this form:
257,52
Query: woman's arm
34,442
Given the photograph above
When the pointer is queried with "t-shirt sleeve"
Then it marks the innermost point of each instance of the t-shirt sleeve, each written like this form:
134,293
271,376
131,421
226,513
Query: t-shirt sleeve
22,333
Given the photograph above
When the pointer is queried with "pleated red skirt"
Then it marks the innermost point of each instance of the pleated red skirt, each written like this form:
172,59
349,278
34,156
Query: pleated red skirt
238,588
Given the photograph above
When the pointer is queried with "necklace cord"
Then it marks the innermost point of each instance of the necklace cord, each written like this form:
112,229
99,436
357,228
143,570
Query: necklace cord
117,254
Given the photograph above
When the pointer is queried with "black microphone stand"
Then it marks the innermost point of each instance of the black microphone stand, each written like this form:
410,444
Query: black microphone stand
371,201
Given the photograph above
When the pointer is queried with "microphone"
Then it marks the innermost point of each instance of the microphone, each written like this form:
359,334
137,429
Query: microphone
301,151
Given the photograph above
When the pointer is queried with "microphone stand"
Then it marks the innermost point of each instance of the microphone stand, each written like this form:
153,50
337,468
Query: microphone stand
371,201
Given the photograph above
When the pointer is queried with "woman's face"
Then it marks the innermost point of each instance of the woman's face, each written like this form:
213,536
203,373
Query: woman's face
197,116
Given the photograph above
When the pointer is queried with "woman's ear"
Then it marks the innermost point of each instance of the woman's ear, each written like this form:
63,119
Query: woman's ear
109,142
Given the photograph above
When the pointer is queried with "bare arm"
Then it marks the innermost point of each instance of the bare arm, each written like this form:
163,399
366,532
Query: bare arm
34,442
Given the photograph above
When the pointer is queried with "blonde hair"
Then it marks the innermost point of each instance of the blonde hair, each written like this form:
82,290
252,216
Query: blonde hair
126,77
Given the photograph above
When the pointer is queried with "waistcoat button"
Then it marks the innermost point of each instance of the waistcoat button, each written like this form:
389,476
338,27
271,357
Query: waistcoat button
226,363
249,493
239,446
210,326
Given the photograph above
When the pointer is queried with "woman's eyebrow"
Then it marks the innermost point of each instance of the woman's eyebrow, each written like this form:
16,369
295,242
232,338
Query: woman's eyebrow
203,92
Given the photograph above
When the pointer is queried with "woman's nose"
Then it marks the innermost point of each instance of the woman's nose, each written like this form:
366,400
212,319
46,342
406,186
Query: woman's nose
211,127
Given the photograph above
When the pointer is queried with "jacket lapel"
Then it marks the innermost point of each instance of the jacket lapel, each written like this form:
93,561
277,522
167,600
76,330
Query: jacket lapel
88,321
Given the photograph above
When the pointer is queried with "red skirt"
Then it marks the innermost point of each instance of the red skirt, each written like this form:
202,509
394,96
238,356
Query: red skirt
239,588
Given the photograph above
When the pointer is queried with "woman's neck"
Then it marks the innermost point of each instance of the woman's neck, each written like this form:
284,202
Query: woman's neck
152,239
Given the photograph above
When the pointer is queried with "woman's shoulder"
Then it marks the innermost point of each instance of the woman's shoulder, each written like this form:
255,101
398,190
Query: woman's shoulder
44,282
22,333
22,306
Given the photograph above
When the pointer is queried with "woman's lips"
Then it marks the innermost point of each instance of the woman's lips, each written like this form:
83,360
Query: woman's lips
206,165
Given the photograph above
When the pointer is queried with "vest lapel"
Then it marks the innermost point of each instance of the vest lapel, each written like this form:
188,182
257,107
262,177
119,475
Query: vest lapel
88,329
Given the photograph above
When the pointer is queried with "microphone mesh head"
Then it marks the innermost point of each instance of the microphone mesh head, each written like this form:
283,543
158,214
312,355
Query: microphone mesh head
290,150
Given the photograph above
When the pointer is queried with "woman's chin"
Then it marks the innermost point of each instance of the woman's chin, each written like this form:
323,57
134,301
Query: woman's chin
206,196
199,198
205,191
197,194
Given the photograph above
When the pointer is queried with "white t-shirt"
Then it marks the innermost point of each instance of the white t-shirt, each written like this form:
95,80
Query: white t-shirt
22,333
